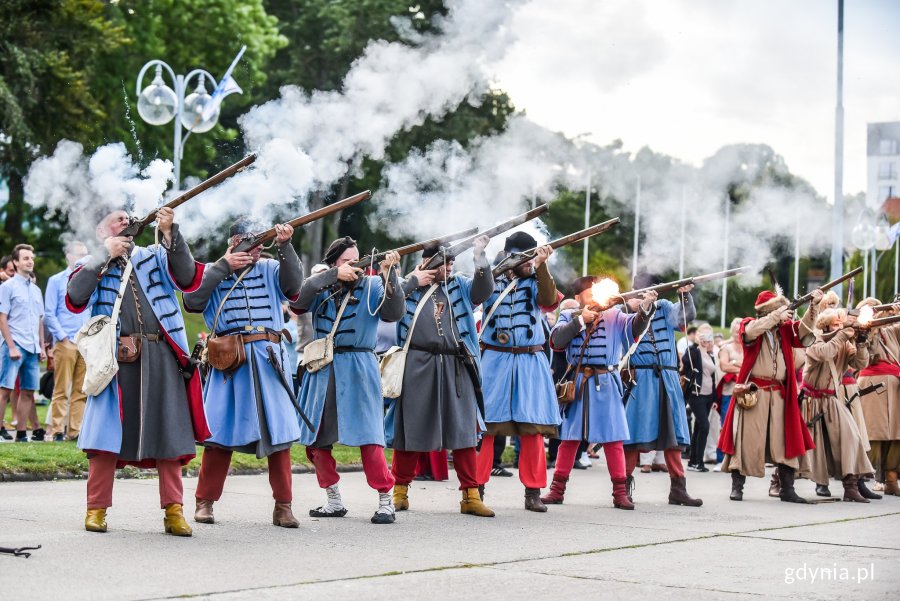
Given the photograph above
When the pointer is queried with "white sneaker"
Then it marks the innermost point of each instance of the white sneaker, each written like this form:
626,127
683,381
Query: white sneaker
718,467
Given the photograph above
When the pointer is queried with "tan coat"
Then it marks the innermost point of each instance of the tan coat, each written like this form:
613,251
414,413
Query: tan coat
840,448
759,432
882,408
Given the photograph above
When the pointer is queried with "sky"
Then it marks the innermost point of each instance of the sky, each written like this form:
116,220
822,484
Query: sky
686,77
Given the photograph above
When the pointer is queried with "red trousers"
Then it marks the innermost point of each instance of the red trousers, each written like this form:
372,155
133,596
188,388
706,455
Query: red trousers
374,465
214,468
102,474
615,458
673,461
403,467
532,460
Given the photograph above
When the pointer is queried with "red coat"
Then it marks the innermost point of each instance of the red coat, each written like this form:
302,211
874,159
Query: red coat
797,439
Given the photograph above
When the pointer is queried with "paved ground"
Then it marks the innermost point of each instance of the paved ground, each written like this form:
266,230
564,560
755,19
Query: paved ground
759,548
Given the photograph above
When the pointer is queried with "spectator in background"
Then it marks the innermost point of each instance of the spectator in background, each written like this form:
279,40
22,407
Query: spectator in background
22,348
67,403
731,356
699,367
688,339
7,268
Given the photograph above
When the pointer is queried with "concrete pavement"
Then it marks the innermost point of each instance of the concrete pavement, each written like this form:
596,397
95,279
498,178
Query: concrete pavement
759,548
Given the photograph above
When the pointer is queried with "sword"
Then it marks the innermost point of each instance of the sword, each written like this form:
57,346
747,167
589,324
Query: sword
19,551
273,361
863,392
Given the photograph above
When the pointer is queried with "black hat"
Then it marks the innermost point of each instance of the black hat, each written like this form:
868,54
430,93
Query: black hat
337,248
582,284
519,241
430,250
244,225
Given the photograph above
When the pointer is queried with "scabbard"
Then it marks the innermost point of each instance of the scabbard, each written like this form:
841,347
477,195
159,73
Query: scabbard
276,365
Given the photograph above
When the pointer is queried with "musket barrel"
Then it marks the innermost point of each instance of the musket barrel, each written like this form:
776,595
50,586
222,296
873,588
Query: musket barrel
368,260
799,302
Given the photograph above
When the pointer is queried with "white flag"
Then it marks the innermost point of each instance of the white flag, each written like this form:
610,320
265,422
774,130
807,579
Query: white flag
226,86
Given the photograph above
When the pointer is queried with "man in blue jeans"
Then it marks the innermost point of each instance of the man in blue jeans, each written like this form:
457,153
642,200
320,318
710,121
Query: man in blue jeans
22,346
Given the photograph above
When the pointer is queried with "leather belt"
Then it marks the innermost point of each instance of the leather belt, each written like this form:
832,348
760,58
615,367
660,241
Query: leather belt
435,350
590,370
515,350
148,337
270,336
352,349
767,384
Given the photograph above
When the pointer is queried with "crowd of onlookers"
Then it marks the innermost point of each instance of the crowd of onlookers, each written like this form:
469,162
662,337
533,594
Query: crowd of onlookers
37,326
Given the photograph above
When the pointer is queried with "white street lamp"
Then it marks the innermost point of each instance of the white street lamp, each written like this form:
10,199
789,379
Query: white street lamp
158,104
863,238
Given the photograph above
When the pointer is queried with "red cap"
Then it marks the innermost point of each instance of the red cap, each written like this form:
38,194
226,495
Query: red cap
764,297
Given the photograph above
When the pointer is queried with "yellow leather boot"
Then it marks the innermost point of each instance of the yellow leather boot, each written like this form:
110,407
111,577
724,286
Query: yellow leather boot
95,520
401,497
473,505
174,521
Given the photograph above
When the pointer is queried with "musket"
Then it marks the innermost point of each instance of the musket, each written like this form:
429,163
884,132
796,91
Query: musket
513,260
250,241
868,326
675,285
450,253
369,260
802,300
886,307
136,226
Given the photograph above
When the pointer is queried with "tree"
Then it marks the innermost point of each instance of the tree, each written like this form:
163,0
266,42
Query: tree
50,54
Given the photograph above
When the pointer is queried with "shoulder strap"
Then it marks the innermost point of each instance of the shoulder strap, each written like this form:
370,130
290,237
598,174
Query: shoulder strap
126,273
624,361
222,302
340,313
416,316
496,305
589,331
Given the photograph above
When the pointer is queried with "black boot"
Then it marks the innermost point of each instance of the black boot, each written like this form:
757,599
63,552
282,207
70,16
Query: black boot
788,494
822,490
865,492
737,486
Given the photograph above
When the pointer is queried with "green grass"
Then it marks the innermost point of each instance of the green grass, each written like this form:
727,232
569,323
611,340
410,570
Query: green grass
64,458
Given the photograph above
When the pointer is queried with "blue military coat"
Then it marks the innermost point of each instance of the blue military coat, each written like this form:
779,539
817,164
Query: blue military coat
517,388
230,402
657,347
357,379
604,420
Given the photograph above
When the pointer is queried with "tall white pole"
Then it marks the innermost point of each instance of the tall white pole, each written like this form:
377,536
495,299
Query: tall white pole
797,252
837,221
865,255
725,259
896,264
179,94
587,222
683,220
637,228
874,272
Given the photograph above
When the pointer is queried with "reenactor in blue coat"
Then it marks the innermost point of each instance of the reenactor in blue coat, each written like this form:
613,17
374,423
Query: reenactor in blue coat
519,396
343,399
655,409
595,342
248,407
151,413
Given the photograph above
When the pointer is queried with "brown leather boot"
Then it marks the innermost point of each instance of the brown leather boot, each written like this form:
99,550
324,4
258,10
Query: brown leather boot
204,512
174,522
775,484
401,497
533,500
472,504
678,494
284,517
890,483
557,491
620,494
95,520
851,492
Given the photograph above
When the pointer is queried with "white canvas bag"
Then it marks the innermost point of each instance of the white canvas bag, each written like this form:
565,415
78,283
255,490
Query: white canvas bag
393,363
97,340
